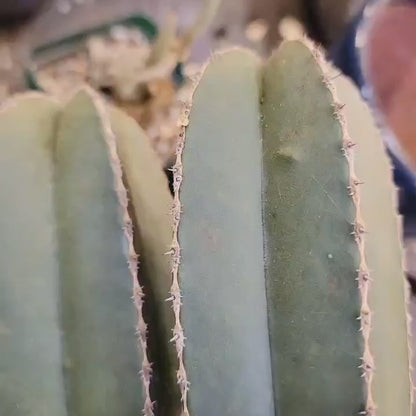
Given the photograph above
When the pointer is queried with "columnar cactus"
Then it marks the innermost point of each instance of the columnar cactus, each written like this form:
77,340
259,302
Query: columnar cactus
282,293
288,288
68,342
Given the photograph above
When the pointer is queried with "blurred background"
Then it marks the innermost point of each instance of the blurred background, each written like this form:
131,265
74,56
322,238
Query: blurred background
30,23
38,50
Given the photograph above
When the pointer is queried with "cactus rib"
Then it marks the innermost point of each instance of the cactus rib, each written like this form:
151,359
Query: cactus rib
363,276
98,280
218,292
175,292
72,169
311,254
384,318
30,343
138,295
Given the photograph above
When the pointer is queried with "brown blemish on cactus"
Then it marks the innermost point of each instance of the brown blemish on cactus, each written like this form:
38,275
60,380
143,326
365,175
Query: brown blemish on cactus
138,295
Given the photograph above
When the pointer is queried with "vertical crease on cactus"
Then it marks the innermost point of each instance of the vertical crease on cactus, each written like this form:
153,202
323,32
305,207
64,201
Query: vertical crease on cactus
175,292
138,294
358,231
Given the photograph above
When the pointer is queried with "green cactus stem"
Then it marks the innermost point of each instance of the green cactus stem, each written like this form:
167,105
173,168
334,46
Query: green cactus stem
31,380
289,294
73,335
99,318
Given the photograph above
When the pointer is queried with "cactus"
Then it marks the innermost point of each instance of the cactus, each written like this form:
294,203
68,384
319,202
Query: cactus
284,287
288,288
67,266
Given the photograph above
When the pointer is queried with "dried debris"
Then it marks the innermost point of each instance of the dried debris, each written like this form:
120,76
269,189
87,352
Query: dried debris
135,74
61,76
116,62
160,113
113,64
257,30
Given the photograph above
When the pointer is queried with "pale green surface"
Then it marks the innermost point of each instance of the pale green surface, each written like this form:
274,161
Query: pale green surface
388,342
311,256
151,208
224,314
99,317
31,381
311,259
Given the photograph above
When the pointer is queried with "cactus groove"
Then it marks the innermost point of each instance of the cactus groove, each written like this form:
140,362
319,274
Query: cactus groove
150,210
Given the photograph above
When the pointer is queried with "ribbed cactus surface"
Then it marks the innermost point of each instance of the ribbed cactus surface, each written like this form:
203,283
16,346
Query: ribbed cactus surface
290,278
73,336
282,292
